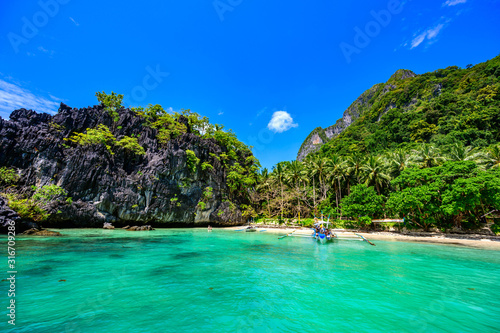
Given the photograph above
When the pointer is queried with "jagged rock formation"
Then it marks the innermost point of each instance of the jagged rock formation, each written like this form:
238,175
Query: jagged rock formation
8,217
121,188
319,136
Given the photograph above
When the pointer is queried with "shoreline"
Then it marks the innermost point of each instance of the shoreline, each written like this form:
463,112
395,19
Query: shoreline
463,240
470,240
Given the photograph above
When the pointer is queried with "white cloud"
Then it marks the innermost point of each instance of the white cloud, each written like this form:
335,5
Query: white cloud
428,34
432,33
450,3
220,113
73,20
281,122
13,97
418,40
44,50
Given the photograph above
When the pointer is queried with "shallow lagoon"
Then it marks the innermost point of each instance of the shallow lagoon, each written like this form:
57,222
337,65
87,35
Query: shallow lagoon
189,280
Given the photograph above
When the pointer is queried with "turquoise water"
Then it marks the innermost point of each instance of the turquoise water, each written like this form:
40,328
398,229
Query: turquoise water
225,281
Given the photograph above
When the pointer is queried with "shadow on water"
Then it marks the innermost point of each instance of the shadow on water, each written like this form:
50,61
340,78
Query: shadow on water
116,256
42,270
166,270
185,255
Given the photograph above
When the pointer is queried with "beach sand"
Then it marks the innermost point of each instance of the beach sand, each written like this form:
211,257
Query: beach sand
475,241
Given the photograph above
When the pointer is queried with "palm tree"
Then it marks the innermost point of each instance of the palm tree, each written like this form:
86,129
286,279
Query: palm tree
493,157
295,176
459,152
354,164
398,161
335,169
265,182
374,172
427,156
320,169
278,175
310,174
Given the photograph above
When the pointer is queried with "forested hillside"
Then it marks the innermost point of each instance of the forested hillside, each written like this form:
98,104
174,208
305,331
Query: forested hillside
423,147
442,107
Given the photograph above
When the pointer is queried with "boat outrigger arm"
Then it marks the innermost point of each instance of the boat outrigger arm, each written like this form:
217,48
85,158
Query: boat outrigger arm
366,240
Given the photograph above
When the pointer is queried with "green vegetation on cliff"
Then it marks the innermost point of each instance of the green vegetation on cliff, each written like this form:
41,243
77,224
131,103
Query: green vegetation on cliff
422,147
442,107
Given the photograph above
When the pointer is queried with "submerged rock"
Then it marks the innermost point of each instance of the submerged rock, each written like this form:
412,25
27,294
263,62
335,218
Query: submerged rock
140,228
43,232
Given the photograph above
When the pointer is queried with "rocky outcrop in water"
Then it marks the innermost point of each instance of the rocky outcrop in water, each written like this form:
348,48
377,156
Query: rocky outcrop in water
118,187
43,232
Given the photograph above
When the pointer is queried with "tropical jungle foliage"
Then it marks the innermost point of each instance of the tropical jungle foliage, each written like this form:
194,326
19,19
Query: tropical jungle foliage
424,148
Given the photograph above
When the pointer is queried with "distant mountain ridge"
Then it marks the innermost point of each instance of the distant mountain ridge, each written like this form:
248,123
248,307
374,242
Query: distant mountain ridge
320,136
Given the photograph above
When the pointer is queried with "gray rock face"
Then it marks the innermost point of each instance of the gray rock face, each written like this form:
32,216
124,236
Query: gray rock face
121,188
353,112
8,217
350,115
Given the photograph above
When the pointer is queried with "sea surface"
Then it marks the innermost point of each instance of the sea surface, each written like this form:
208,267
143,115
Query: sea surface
190,280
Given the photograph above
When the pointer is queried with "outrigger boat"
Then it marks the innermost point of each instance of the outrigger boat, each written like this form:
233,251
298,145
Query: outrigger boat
321,236
251,229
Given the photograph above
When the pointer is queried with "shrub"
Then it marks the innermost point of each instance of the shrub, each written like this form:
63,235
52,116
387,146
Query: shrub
35,208
131,145
8,177
192,160
208,193
27,208
206,165
94,136
167,125
365,221
102,135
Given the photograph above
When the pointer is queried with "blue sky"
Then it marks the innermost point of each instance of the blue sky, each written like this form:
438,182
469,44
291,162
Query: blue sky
270,71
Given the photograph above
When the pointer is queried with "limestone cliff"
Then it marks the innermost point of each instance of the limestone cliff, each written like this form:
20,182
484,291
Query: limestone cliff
157,188
319,136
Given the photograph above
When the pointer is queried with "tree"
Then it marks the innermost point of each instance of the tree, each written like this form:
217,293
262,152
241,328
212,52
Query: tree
419,204
493,157
278,175
111,103
374,173
354,165
427,156
336,171
399,161
363,201
459,152
264,183
320,169
295,175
